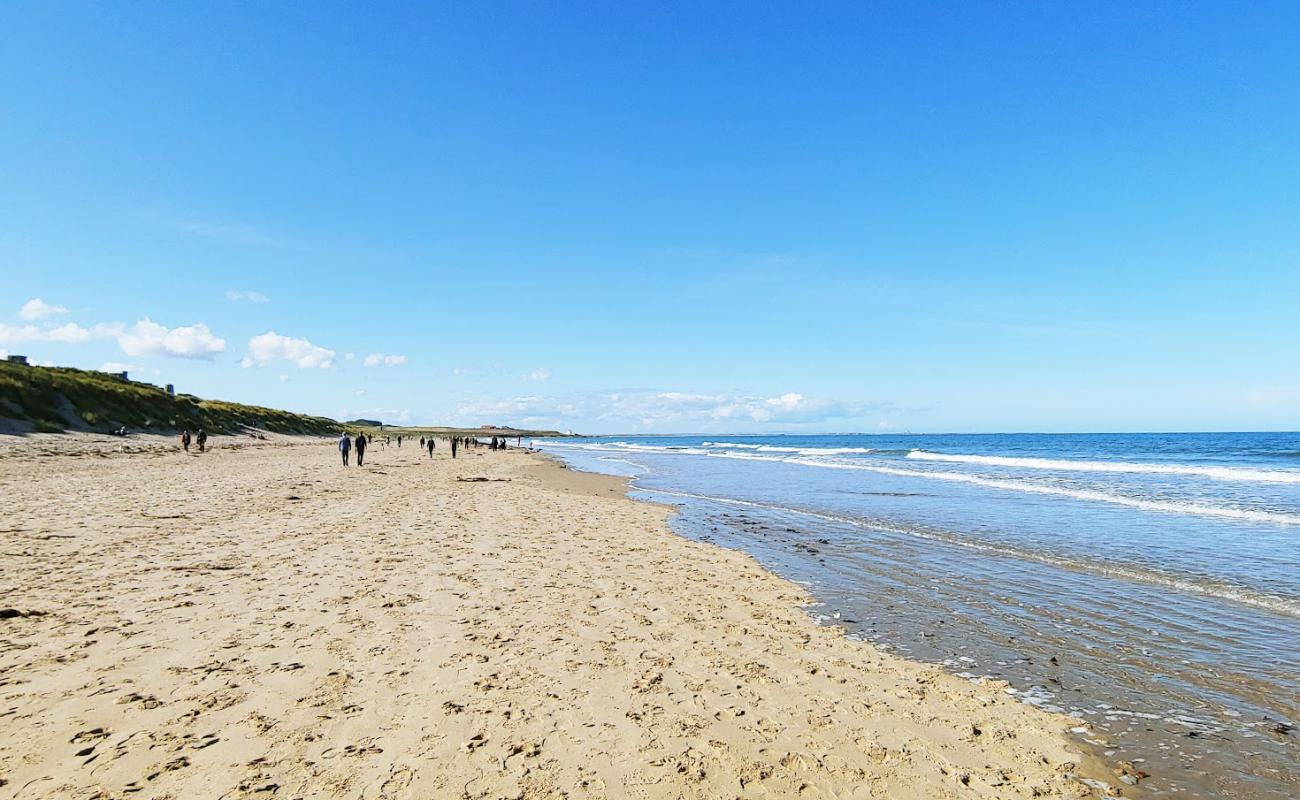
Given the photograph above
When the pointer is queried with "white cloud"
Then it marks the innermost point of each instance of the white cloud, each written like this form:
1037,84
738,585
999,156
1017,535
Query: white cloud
379,359
662,410
144,338
271,346
460,371
283,378
148,338
361,392
235,295
67,332
116,366
537,375
350,356
36,308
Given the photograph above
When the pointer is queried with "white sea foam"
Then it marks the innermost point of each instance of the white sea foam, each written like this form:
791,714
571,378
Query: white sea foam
1012,485
1078,465
821,451
711,448
644,470
1163,506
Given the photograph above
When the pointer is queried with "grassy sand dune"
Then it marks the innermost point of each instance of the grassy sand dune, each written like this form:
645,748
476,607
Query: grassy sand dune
262,622
55,399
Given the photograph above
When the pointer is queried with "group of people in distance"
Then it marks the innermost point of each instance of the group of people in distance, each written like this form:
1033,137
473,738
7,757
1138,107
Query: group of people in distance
201,438
347,445
427,443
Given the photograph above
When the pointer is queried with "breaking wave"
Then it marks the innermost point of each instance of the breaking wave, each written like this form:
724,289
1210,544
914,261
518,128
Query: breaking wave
1078,465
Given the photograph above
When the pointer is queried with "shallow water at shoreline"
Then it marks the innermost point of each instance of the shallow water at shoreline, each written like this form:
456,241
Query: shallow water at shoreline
1167,626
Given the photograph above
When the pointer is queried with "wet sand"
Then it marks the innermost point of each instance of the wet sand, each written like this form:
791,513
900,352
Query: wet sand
261,622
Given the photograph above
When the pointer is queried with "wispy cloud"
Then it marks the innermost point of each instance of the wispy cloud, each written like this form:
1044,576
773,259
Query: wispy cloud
664,410
1271,397
69,332
36,308
236,295
383,360
271,346
243,235
537,375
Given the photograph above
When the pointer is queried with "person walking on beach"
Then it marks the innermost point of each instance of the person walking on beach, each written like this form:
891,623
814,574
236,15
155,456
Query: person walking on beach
431,446
203,440
421,442
454,440
345,445
361,448
185,440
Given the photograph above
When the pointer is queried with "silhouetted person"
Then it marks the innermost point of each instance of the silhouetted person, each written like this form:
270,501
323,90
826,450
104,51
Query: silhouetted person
430,445
185,440
345,445
361,448
202,439
454,441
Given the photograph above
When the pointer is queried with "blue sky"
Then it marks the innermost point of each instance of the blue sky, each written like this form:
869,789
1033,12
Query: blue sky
696,217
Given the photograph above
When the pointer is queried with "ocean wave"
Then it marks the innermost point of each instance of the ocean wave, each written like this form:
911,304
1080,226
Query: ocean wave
1028,487
644,469
1163,506
1225,591
709,448
1078,465
772,448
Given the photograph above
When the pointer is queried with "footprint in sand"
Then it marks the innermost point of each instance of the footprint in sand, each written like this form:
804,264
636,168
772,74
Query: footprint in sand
92,735
396,782
145,701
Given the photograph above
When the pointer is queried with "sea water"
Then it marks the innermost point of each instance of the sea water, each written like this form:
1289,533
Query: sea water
1147,583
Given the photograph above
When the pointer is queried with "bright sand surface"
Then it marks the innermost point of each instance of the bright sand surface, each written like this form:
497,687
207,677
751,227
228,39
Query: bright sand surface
261,622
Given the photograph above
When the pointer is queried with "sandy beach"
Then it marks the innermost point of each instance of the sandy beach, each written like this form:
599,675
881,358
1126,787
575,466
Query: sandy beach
261,622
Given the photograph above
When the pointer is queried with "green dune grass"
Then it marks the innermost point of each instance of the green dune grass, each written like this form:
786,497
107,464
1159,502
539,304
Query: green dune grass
58,399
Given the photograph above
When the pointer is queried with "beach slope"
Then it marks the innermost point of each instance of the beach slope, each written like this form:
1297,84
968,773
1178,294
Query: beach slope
262,622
